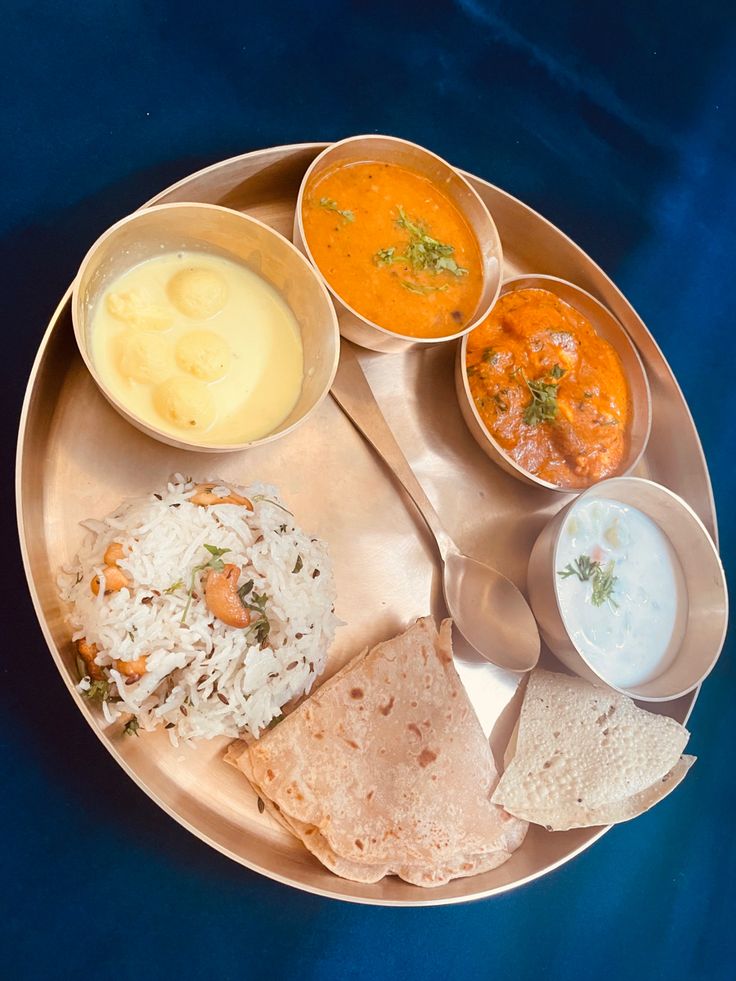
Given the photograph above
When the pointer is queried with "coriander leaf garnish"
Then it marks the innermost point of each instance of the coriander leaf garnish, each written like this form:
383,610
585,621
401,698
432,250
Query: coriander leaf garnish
587,570
214,562
173,587
425,252
415,229
98,691
543,406
269,500
261,627
329,205
131,727
582,567
244,590
603,585
216,553
422,252
384,257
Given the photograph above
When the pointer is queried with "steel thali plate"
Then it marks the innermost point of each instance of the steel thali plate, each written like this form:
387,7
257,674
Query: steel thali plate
78,458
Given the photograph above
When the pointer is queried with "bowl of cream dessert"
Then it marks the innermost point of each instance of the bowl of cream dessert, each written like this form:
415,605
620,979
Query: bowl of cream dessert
627,588
205,328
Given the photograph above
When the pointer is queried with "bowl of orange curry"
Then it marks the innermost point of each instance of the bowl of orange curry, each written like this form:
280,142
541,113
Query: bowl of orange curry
552,387
405,245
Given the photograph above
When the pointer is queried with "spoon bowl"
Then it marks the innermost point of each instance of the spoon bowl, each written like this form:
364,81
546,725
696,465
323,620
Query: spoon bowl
490,613
488,609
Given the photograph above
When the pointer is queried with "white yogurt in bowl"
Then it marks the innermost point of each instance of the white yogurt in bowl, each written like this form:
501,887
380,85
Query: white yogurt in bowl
621,591
628,590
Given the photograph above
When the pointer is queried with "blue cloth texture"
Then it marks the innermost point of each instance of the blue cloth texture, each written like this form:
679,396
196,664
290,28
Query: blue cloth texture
615,121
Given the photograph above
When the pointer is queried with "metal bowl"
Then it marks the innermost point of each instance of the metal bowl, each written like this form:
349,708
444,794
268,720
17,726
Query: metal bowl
390,149
707,597
209,228
608,327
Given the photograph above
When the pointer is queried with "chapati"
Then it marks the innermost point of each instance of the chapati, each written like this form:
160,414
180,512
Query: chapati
385,768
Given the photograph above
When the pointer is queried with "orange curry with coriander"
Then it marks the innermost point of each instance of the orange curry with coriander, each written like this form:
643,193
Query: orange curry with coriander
551,392
394,248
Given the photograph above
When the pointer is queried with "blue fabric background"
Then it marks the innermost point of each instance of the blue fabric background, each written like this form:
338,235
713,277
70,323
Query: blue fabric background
617,122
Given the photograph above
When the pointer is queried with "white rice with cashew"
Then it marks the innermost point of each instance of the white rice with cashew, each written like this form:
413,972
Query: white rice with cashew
201,677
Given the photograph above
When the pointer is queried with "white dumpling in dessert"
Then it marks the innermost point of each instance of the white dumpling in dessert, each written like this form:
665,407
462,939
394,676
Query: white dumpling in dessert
145,358
186,403
198,293
204,354
137,309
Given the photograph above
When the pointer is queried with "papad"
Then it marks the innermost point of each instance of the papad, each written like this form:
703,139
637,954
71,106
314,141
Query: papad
586,755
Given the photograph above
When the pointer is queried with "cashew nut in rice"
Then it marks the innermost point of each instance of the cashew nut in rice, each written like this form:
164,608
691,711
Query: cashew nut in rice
88,652
113,553
221,596
204,497
115,579
131,669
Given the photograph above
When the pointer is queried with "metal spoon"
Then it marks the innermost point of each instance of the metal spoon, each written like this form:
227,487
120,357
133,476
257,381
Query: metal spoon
488,609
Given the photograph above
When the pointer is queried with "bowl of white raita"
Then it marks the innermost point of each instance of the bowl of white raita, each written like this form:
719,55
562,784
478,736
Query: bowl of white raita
628,588
205,328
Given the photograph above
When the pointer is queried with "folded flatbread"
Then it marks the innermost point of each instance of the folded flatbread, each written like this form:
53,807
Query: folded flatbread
586,755
385,769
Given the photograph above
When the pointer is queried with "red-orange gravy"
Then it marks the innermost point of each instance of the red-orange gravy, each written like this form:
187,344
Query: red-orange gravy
394,247
551,392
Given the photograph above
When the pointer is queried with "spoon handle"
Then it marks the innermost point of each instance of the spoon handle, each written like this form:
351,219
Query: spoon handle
353,394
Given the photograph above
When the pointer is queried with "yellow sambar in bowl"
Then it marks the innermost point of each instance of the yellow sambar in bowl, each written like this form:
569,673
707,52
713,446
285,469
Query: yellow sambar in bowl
403,242
394,247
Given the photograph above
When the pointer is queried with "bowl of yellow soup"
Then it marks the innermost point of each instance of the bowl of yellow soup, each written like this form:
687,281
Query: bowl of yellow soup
205,328
405,245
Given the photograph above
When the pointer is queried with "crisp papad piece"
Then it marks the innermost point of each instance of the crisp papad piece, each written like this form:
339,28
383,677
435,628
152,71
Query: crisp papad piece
385,769
586,756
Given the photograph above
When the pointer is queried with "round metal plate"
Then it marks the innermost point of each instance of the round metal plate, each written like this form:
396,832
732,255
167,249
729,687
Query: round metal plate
78,458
